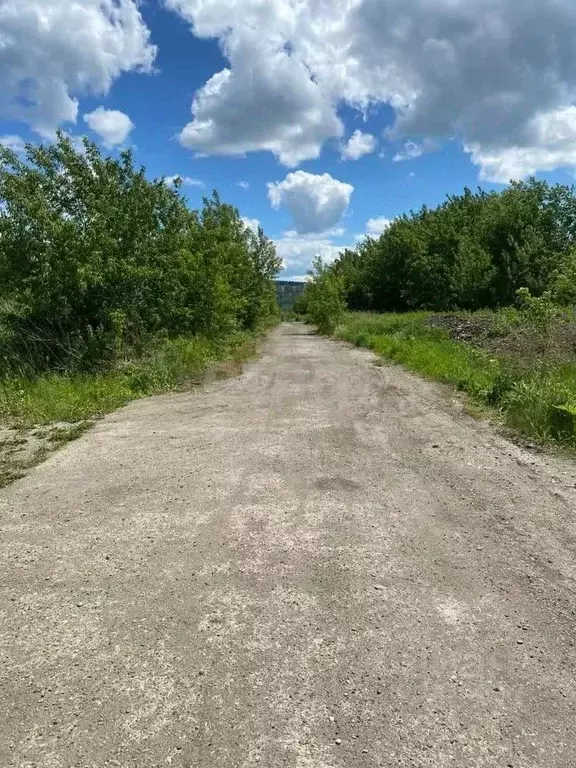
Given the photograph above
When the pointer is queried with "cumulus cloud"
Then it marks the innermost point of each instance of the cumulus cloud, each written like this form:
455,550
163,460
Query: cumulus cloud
298,253
243,184
482,71
252,224
111,125
15,143
265,101
53,51
375,227
358,145
186,181
550,143
315,203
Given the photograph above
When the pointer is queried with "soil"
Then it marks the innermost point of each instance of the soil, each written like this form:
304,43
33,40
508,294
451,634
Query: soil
521,344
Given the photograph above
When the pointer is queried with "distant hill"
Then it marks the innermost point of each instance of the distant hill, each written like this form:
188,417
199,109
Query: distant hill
287,292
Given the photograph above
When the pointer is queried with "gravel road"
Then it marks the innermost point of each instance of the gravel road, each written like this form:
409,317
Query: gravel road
323,563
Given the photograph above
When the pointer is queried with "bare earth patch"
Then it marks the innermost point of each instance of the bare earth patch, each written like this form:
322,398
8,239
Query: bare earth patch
520,343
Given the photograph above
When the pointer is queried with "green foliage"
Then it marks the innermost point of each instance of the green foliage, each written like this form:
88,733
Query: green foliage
300,305
563,283
73,397
96,261
324,298
538,401
538,312
504,321
474,251
563,419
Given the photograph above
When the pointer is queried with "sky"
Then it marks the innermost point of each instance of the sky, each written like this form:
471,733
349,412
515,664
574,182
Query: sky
321,120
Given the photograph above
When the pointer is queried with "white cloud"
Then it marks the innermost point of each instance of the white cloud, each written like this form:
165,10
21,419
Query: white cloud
15,143
252,224
375,227
478,70
359,144
186,181
551,142
111,125
265,101
315,203
53,51
411,150
298,253
243,184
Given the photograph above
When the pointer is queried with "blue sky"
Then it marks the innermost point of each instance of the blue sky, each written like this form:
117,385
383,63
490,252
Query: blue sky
321,121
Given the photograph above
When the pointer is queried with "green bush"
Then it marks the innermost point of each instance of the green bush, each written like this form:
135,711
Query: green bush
96,261
473,251
324,298
504,321
538,312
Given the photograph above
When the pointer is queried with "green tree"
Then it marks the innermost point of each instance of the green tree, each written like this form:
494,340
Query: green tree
324,297
95,258
474,250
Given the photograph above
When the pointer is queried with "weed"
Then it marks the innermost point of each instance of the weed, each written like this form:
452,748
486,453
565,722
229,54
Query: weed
539,312
504,321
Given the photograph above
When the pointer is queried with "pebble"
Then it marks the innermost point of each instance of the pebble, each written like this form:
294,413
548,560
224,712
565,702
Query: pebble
338,741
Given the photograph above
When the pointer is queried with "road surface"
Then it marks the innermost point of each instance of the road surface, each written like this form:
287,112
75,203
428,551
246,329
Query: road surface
320,564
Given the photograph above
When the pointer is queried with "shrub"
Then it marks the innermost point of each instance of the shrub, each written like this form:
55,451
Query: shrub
324,298
96,260
473,251
538,312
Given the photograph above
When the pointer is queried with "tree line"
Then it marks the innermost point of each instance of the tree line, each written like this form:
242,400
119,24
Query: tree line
474,251
96,260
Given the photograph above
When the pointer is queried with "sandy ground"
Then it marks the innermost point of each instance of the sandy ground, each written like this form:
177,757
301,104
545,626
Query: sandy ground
321,563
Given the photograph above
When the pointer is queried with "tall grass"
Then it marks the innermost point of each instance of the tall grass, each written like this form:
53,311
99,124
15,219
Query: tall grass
73,397
525,395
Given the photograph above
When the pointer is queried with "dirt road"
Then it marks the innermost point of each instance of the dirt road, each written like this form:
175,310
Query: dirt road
320,564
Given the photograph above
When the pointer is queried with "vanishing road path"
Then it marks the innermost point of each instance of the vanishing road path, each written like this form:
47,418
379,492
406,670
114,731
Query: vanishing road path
320,564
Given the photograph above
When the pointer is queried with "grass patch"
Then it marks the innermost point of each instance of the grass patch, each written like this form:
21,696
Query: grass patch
60,435
169,364
532,397
25,447
38,415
